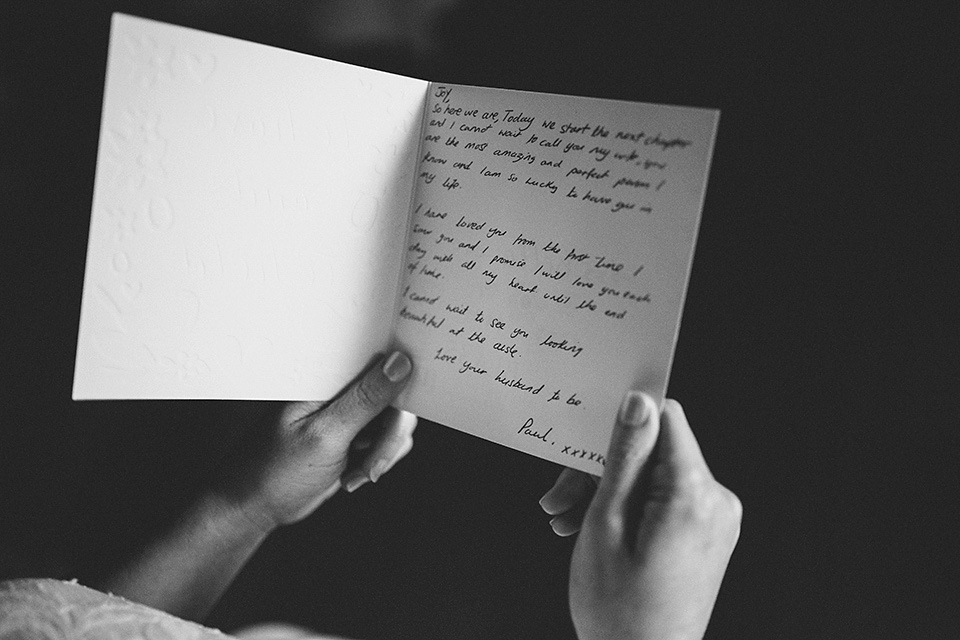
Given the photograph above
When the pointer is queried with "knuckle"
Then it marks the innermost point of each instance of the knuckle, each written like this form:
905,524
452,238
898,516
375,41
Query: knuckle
734,505
611,533
612,522
672,407
706,504
368,394
694,479
605,522
734,514
670,403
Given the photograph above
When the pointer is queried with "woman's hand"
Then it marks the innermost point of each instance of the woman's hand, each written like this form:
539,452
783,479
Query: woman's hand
302,458
287,466
657,536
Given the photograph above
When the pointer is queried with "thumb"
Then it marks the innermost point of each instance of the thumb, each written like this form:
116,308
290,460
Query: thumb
679,450
363,400
633,439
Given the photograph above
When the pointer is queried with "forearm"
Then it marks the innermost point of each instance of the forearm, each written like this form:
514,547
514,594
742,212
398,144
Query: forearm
186,570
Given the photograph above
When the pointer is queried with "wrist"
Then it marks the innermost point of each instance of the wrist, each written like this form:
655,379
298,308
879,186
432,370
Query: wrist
229,520
187,567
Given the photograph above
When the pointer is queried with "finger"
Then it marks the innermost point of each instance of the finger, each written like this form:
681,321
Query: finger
356,478
394,444
568,523
679,452
395,441
634,437
363,400
571,488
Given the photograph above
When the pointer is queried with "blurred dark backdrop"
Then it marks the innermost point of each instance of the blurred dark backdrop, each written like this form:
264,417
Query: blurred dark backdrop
817,358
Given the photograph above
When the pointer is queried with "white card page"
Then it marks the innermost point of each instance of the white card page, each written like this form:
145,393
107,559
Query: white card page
248,218
548,262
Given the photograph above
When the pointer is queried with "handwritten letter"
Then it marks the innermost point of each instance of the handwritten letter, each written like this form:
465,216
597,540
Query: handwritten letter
547,262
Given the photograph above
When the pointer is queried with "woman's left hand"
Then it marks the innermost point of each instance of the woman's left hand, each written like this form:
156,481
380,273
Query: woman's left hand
302,459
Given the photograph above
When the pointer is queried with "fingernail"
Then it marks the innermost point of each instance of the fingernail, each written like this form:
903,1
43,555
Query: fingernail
563,531
397,367
553,524
355,483
379,469
546,503
635,410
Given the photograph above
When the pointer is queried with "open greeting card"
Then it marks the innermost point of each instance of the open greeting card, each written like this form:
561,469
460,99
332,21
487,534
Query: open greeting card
265,221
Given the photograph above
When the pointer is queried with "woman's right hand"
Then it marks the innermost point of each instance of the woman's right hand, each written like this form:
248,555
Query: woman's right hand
657,536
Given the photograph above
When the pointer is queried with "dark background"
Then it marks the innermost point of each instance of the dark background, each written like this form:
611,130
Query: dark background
817,359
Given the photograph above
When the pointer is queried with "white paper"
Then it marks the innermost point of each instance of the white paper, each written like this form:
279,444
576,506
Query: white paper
548,262
248,218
